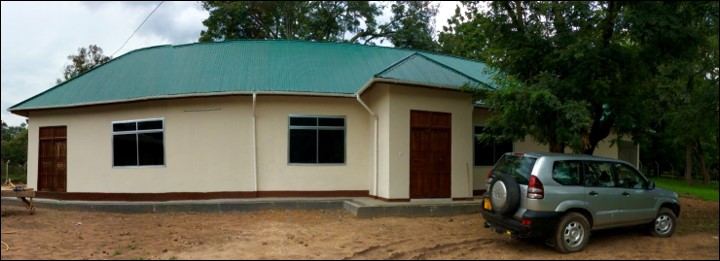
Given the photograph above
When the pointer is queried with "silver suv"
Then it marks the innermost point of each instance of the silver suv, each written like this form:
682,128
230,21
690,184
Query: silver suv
564,196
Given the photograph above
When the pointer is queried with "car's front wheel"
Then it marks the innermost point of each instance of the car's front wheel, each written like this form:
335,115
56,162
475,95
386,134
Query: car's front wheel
572,233
664,223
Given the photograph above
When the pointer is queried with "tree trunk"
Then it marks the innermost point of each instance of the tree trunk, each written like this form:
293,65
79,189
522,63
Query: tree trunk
701,158
688,165
556,147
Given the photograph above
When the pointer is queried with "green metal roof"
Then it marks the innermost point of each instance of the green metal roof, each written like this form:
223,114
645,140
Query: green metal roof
238,67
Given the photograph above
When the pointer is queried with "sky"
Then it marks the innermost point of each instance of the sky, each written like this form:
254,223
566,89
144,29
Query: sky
37,37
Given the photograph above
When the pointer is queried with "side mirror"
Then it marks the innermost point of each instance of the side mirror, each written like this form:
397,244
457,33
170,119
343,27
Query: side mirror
650,185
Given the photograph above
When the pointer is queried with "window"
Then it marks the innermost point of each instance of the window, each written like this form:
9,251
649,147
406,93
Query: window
138,143
599,174
486,154
567,172
317,139
628,177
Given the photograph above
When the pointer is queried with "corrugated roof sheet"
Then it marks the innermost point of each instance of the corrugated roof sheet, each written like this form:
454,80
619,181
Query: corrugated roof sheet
236,67
419,68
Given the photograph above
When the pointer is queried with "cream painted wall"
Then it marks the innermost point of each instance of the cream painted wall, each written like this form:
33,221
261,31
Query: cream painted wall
480,117
378,100
206,146
403,99
272,124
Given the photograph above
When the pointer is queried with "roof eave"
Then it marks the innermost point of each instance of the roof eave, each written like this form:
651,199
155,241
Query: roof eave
24,111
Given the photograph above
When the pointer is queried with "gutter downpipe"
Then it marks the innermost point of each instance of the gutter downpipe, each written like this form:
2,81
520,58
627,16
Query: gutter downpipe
375,136
254,134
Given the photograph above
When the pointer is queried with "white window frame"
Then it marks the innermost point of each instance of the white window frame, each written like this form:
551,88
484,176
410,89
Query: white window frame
317,139
137,147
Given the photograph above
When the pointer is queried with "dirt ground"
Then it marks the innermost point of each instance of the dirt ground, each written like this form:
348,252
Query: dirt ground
334,234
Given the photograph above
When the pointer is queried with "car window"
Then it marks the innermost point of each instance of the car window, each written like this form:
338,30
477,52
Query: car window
629,177
567,172
599,174
519,167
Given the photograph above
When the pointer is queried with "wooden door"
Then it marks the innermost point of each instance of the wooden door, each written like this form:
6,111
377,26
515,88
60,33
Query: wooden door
430,154
52,159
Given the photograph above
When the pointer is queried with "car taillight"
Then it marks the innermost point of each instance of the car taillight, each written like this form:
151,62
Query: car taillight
519,154
535,189
490,172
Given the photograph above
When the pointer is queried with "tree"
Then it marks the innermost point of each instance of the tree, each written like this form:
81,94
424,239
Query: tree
411,25
687,103
85,60
573,71
14,143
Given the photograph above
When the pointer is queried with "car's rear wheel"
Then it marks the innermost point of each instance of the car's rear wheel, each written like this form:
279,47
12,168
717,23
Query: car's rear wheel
572,233
504,195
664,223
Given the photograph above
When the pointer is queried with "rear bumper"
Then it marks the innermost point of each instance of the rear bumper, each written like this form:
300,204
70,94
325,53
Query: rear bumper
541,223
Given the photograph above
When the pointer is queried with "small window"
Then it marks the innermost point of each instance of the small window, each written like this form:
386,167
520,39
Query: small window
316,140
567,173
486,154
139,143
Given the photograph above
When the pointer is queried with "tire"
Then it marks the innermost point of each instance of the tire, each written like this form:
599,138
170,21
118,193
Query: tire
664,223
572,233
504,195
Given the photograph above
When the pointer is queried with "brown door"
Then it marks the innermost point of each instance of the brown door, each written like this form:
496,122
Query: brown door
429,154
52,159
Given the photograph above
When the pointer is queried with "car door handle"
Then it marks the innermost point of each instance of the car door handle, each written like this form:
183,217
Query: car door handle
626,194
593,193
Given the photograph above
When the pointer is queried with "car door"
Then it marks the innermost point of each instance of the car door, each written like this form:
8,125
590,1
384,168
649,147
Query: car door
601,194
636,202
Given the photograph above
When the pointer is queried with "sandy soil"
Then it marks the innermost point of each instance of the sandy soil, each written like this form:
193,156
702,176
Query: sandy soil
285,234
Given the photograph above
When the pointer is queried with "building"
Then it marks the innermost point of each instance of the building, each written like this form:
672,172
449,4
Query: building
264,119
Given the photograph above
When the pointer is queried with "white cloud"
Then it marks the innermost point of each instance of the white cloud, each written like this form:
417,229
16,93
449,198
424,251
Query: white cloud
37,37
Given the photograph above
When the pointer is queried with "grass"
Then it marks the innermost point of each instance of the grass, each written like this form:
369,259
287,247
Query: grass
698,190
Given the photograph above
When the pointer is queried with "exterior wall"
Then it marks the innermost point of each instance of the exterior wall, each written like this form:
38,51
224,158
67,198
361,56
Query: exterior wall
480,117
378,100
208,146
272,128
395,136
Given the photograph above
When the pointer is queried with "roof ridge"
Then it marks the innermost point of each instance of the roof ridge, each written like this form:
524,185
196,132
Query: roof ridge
315,42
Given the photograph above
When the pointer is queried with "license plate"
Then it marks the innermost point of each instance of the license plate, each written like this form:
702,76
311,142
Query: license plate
486,204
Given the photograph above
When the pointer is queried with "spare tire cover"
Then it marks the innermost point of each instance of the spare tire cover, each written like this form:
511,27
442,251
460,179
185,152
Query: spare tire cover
504,195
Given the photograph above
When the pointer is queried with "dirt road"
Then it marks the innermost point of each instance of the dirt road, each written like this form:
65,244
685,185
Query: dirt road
281,234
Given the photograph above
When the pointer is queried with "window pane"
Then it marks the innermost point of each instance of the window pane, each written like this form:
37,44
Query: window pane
150,147
124,150
150,125
599,174
303,146
628,177
567,172
334,122
501,148
479,130
483,154
129,126
302,121
331,146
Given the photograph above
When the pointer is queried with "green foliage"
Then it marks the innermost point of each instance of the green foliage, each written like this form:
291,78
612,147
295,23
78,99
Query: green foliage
14,149
707,192
14,143
411,25
85,60
686,104
578,69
